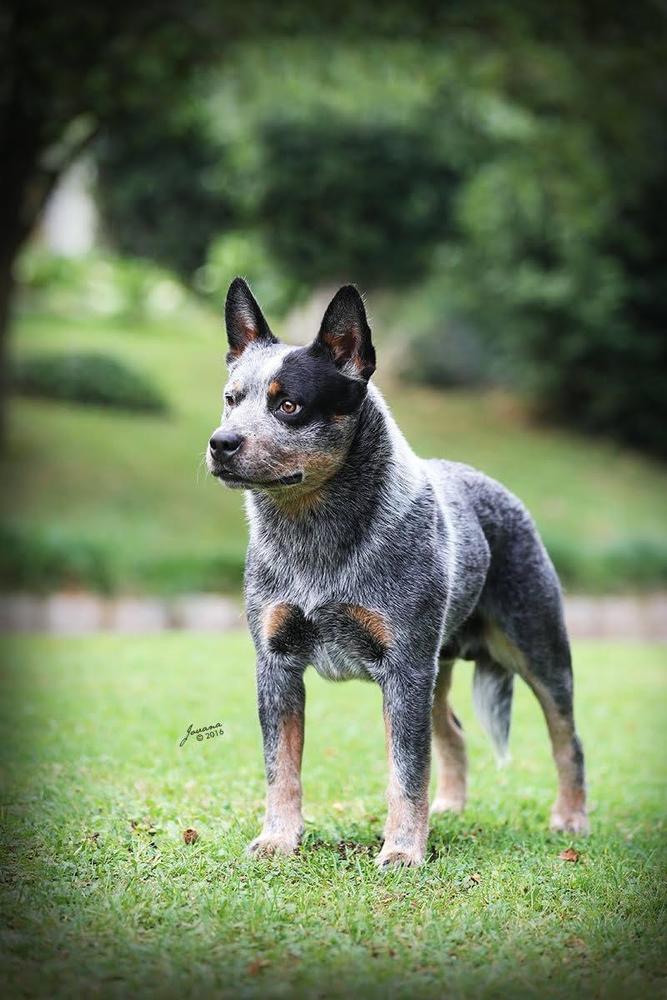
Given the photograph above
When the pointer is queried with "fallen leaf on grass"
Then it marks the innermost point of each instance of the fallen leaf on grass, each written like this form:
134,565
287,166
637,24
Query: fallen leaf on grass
190,835
569,854
256,967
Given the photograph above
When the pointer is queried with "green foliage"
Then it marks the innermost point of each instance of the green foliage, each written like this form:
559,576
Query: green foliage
101,285
48,559
157,194
98,882
177,572
514,183
344,201
97,379
245,252
137,489
632,564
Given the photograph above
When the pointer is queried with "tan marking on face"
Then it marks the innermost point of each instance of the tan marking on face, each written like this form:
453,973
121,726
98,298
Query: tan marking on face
449,747
318,468
275,618
372,622
274,390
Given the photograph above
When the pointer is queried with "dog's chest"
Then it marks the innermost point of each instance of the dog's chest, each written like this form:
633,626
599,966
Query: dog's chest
335,662
342,640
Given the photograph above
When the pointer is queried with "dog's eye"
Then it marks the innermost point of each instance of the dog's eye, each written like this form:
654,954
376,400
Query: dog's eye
289,406
229,399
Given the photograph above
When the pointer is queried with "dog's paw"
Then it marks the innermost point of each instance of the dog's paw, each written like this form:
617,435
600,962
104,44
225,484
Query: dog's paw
448,803
394,857
270,845
575,821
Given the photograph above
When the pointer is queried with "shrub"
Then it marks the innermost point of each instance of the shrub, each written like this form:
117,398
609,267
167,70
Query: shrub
100,285
634,564
343,201
39,560
183,572
171,211
244,252
85,378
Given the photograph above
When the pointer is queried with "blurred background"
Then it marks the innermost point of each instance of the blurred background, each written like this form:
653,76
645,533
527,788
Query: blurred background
492,176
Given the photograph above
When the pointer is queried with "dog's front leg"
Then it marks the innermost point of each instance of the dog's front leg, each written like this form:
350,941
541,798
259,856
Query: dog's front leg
407,717
281,699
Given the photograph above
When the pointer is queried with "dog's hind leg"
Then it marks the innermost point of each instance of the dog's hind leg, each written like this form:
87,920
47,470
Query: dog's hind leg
448,747
545,665
569,811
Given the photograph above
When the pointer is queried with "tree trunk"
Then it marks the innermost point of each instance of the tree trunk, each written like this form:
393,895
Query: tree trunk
6,293
23,201
24,188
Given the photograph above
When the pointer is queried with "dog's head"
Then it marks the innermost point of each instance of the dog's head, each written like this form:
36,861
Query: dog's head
290,412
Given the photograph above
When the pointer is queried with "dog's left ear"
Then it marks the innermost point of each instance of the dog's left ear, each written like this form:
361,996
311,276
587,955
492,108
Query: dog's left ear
244,320
345,335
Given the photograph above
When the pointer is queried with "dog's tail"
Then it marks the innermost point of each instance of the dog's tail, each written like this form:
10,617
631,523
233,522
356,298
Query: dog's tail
492,690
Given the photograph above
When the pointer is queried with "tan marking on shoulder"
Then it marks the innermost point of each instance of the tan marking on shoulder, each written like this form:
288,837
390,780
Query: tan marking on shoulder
276,617
275,388
372,622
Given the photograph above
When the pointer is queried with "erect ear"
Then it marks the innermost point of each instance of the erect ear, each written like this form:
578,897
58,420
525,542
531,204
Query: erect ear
244,320
345,334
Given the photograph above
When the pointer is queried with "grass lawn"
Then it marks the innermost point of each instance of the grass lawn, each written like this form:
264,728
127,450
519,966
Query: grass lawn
132,486
103,897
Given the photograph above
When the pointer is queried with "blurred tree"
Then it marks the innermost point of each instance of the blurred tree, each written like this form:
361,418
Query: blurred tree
561,253
65,70
555,126
343,201
69,69
156,192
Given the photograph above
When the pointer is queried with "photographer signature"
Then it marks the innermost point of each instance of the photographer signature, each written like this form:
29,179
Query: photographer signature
204,733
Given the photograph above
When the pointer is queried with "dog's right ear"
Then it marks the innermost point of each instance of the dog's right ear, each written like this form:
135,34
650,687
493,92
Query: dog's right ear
244,321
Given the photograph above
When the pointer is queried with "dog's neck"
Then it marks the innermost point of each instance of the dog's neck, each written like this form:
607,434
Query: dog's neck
371,488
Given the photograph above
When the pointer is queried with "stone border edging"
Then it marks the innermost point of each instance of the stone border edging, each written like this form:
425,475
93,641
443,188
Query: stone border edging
611,617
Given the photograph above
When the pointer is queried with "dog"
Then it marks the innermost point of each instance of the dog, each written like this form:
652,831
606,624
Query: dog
369,562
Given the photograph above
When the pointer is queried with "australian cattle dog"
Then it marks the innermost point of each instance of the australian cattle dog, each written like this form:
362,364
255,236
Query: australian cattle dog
369,562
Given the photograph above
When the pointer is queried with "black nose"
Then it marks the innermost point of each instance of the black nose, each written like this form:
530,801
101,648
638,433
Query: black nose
223,444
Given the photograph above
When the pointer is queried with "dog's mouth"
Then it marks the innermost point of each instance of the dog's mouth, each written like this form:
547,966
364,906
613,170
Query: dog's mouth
230,477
